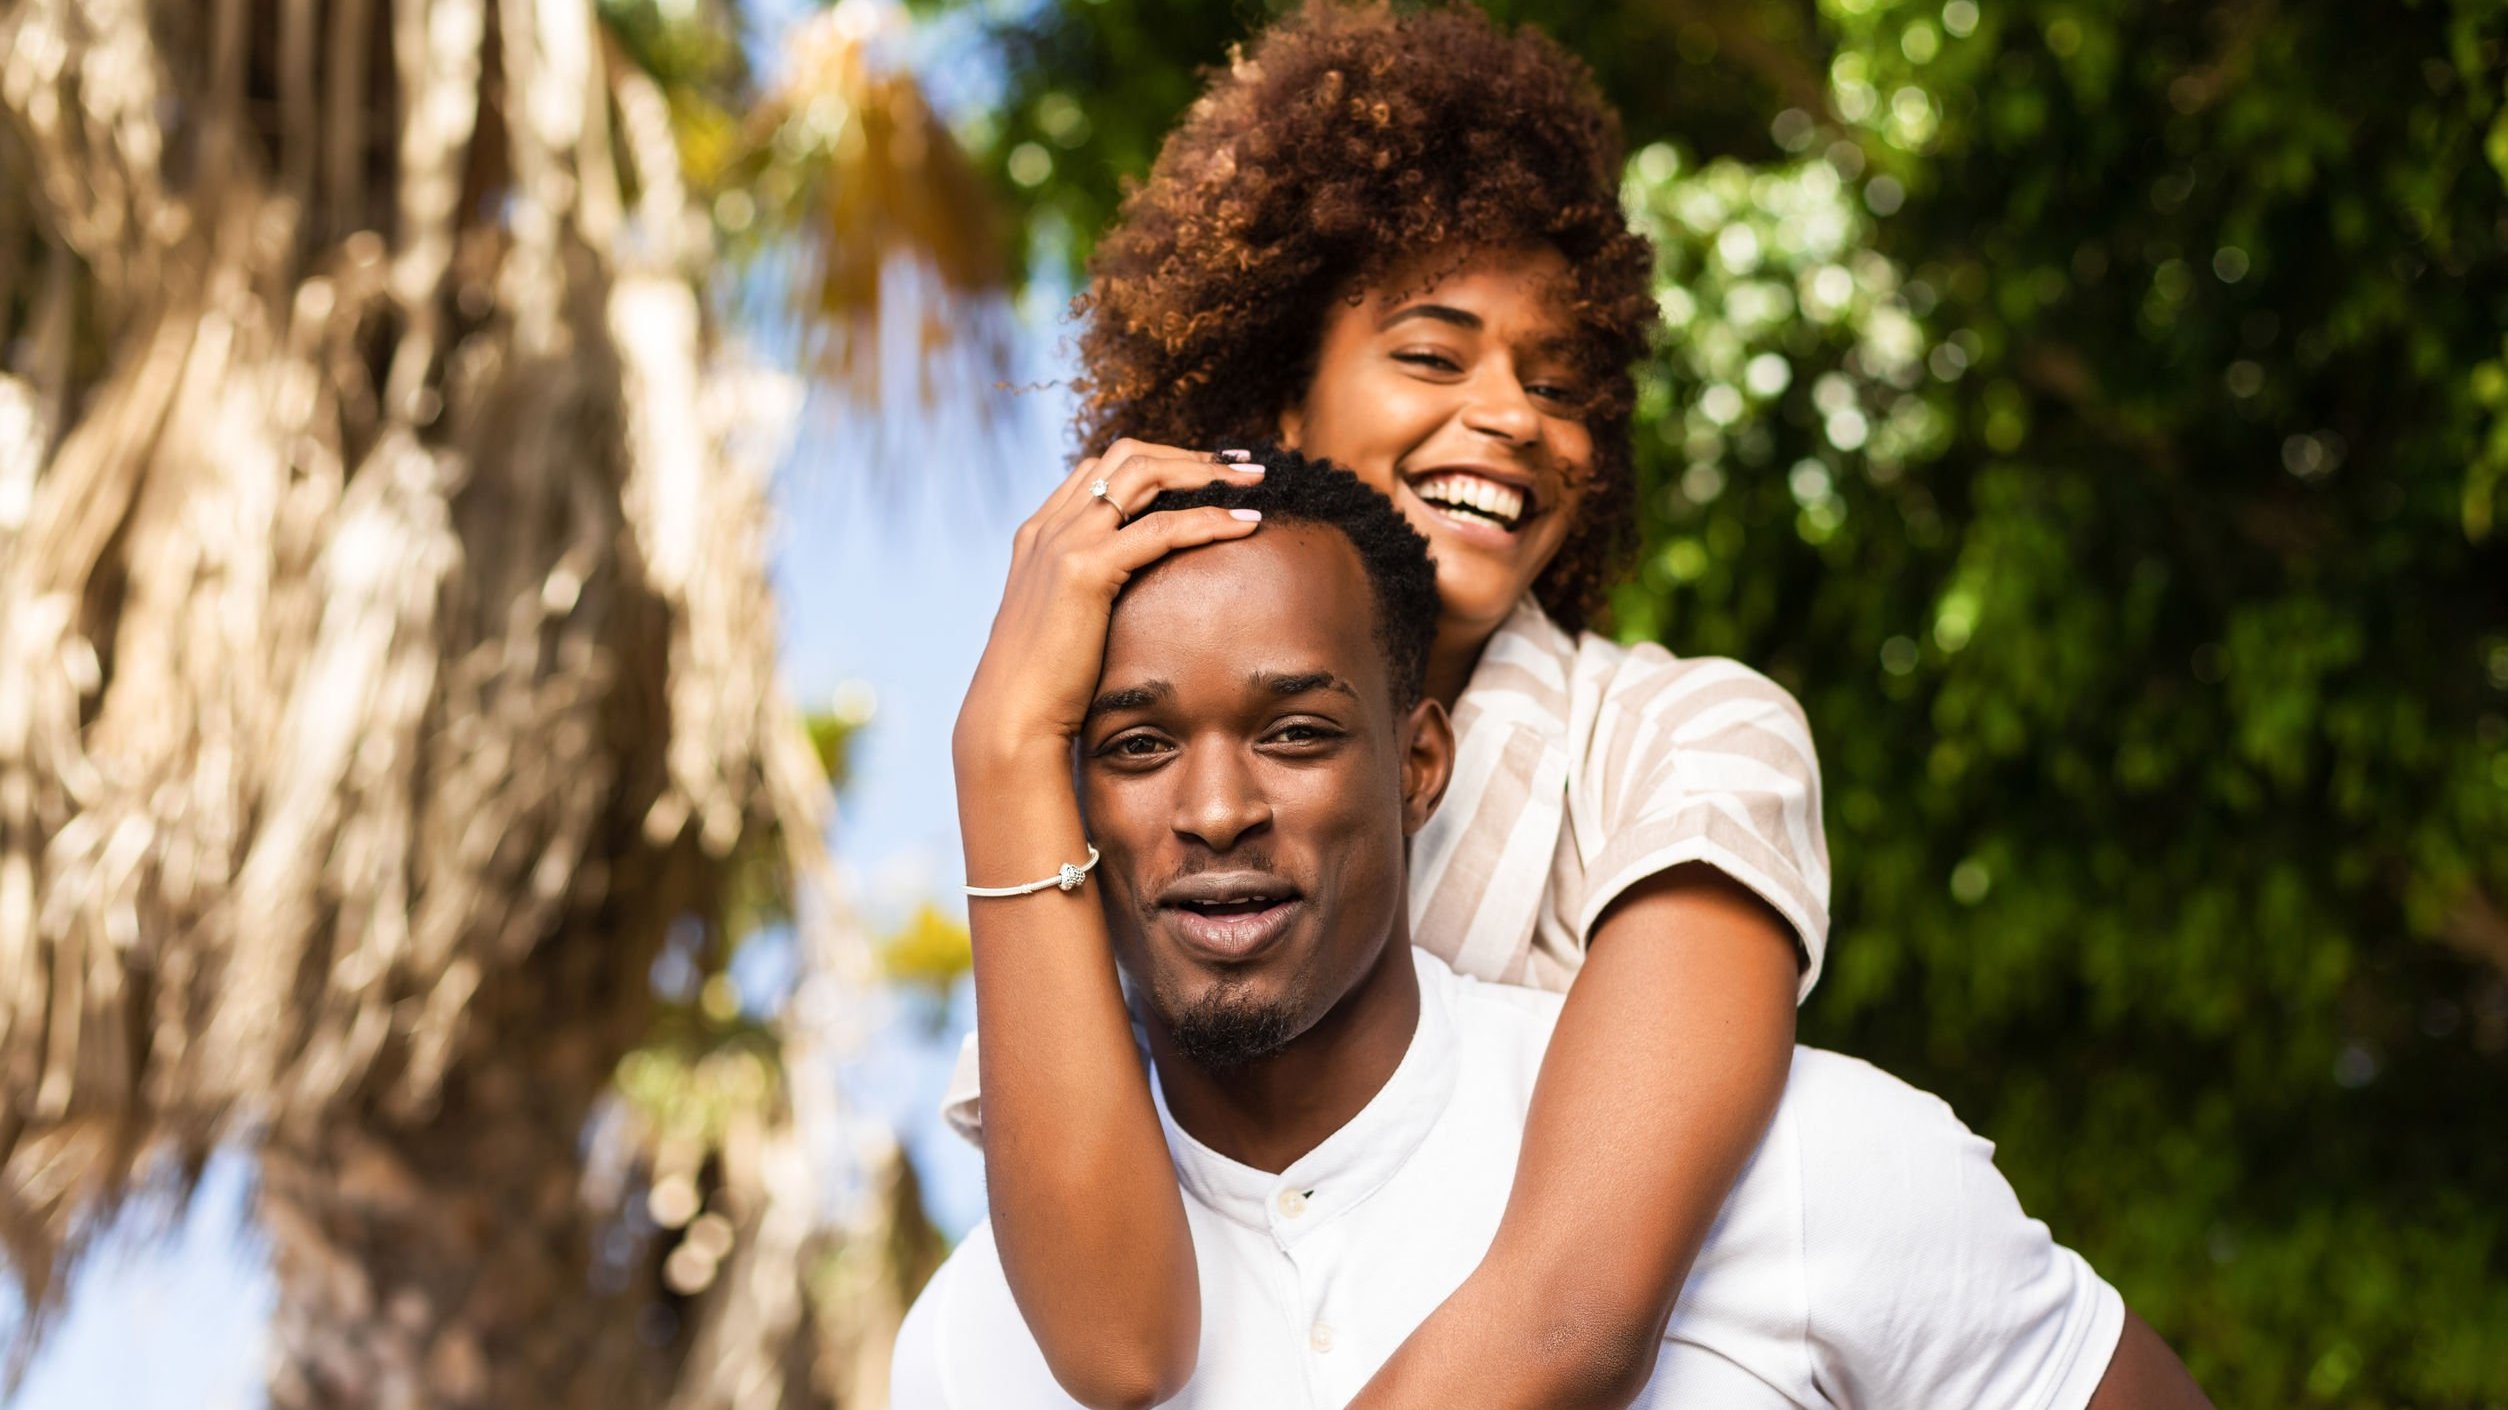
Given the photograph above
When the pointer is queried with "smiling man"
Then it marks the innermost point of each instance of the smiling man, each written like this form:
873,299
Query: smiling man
1344,1112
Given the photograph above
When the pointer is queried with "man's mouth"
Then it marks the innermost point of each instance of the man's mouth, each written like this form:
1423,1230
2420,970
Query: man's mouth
1469,498
1229,919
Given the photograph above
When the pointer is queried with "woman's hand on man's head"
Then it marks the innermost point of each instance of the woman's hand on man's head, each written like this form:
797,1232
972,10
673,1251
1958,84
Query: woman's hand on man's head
1031,690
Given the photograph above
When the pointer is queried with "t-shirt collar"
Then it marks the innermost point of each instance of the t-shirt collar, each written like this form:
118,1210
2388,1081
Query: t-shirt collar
1350,1164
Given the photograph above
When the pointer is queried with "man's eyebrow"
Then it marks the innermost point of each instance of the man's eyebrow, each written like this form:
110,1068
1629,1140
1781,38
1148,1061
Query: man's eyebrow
1286,686
1130,697
1443,313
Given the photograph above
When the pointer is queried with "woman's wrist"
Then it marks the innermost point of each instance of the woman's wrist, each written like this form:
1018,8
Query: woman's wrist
1018,812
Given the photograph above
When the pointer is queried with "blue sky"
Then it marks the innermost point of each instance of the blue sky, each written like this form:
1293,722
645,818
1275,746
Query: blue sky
888,576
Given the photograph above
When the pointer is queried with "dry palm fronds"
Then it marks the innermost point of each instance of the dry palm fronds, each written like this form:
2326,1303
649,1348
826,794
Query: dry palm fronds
385,656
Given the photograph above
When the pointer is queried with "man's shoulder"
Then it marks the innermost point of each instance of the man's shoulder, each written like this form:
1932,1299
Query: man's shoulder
1485,1009
1840,1104
1915,1253
1868,1148
1846,1101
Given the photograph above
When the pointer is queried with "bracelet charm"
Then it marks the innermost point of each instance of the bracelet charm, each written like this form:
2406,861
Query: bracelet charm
1067,879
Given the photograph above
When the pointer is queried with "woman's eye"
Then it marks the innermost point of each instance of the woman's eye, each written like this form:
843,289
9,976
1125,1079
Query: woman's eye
1437,360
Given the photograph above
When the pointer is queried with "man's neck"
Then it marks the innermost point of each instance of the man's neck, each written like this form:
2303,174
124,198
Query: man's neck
1268,1113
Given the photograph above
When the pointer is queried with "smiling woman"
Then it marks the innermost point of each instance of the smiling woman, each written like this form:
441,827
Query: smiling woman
1455,388
1344,172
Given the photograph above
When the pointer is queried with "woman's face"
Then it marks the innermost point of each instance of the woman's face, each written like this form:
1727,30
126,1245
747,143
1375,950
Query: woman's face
1452,388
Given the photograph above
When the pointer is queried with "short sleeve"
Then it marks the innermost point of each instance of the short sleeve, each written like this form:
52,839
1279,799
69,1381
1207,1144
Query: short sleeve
1705,760
914,1367
1926,1283
962,1104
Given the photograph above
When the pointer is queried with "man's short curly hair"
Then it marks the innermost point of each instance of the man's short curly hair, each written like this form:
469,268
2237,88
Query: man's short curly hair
1347,139
1297,490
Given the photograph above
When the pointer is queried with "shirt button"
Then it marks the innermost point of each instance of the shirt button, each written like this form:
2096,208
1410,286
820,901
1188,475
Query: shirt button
1320,1338
1293,1204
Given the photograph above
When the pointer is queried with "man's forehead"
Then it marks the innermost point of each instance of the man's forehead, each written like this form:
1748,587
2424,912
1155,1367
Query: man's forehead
1287,602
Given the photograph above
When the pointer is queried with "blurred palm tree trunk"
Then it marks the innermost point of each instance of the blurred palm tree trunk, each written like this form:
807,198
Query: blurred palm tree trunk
388,667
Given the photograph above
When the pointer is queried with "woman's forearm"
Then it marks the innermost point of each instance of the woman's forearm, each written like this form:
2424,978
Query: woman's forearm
1662,1076
1086,1213
1084,1200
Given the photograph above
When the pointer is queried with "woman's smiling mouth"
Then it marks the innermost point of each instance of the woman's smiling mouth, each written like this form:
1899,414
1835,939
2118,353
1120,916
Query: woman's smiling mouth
1475,500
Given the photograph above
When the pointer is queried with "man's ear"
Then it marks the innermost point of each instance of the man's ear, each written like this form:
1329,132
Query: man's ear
1427,762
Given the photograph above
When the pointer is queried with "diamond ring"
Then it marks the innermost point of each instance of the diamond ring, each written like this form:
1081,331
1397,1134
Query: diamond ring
1097,491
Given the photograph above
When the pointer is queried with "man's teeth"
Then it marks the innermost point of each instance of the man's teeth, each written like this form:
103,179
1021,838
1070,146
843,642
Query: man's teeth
1231,906
1504,503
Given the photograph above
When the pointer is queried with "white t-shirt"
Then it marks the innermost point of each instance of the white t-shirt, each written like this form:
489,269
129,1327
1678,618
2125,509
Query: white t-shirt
1870,1254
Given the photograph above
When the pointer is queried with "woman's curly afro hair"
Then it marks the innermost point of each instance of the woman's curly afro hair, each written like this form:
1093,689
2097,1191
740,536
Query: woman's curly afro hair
1348,139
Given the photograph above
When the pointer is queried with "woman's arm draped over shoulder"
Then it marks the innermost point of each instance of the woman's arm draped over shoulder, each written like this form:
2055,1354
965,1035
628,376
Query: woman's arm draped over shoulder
1671,1053
1662,1076
1086,1211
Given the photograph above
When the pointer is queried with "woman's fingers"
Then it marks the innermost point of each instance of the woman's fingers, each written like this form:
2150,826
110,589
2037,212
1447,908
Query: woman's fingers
1135,473
1154,536
1135,484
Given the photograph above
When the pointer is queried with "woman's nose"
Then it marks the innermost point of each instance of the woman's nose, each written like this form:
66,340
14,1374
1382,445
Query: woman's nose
1500,407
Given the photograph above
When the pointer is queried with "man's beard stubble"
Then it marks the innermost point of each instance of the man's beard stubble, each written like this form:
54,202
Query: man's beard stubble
1226,1030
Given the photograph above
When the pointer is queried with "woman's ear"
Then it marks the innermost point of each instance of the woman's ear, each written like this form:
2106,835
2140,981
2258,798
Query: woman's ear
1292,423
1427,763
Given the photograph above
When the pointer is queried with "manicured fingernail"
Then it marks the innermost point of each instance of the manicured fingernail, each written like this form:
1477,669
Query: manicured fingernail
1250,516
1236,455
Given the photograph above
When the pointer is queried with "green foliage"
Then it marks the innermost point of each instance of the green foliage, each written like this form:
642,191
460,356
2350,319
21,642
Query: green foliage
2124,522
2096,412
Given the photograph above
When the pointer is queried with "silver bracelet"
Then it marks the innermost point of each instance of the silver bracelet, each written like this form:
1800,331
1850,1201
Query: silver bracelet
1068,879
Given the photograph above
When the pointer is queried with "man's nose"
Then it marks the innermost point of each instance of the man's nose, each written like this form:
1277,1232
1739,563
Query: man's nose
1222,803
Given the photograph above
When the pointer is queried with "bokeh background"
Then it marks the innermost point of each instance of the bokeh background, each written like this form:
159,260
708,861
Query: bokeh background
2095,411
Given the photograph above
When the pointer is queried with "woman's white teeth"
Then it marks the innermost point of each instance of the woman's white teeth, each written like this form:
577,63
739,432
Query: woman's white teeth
1504,503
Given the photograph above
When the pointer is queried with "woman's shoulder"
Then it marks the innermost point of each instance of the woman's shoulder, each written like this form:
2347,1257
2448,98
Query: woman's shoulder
1646,678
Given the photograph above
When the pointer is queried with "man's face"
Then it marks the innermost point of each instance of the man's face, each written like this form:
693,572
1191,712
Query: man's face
1251,783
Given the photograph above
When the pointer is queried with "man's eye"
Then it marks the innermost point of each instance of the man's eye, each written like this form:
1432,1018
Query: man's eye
1132,746
1304,733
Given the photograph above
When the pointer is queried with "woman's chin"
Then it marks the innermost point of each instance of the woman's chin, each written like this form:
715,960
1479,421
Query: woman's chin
1481,594
1483,569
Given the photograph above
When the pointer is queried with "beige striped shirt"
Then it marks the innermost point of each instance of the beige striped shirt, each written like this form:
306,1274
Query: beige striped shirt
1582,767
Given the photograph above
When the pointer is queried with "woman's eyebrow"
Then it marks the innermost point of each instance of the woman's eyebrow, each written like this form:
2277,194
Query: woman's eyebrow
1443,313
